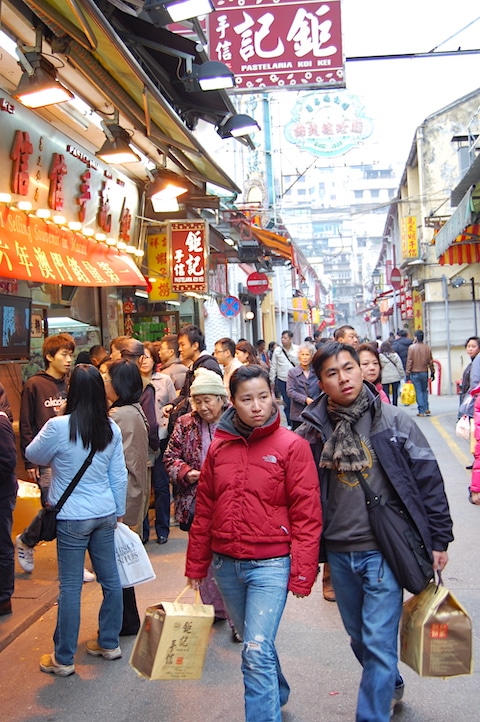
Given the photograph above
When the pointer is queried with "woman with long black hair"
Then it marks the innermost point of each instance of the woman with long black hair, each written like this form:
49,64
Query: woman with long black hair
88,518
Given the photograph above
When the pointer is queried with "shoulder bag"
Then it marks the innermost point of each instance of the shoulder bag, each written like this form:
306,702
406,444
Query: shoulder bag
399,540
45,523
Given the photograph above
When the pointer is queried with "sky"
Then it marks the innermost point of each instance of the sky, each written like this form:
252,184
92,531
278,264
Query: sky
400,94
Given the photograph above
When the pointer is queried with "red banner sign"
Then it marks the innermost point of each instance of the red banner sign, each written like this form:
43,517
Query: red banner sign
33,250
189,253
278,43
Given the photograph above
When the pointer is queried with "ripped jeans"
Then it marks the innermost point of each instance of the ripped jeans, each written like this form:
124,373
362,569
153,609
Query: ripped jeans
255,592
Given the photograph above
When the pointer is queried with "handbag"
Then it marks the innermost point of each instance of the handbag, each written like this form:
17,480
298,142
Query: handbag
462,427
407,395
133,564
399,540
44,525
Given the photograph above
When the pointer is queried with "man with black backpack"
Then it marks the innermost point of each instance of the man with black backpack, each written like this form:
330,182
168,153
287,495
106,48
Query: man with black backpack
191,347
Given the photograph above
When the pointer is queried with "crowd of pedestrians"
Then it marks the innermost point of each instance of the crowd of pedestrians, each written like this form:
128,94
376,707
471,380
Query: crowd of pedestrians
169,421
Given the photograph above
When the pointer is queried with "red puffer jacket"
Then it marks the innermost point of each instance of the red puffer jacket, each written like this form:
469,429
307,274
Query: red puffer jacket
258,498
475,484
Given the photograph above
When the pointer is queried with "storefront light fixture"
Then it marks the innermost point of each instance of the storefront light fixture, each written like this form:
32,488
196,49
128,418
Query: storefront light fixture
141,293
130,249
39,85
74,225
179,10
100,237
121,245
211,75
42,213
164,190
88,232
24,206
117,148
139,252
59,220
111,242
5,198
236,126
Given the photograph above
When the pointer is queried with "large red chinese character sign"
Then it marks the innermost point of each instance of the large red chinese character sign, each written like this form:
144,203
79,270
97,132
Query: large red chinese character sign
278,43
189,252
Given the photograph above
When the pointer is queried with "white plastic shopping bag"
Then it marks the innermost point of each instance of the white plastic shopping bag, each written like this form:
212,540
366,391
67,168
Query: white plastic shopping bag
134,566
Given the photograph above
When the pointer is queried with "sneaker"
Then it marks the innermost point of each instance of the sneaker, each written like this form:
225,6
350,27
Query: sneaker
88,576
428,412
24,555
49,664
96,650
397,697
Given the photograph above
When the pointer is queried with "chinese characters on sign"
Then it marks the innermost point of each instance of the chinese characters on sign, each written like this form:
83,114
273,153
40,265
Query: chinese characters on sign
188,256
409,237
34,250
157,261
278,43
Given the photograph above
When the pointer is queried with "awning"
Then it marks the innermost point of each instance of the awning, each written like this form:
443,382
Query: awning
462,251
458,227
94,38
278,244
32,249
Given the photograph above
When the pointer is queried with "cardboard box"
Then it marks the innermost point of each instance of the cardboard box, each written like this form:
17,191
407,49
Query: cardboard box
172,641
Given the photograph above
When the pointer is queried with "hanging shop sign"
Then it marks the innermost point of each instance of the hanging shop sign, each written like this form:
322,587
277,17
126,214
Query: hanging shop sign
188,244
272,44
158,262
34,250
409,237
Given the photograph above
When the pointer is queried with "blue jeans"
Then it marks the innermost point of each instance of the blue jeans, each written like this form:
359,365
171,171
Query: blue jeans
282,387
161,491
370,602
73,539
255,593
420,380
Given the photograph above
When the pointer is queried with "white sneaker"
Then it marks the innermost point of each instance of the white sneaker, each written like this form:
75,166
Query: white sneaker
88,576
24,555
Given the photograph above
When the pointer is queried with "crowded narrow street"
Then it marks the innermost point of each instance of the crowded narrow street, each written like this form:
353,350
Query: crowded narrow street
312,644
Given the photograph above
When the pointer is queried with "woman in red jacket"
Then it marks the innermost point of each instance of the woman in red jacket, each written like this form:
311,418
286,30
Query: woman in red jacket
258,514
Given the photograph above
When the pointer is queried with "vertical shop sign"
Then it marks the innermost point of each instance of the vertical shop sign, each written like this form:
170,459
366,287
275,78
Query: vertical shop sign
188,256
279,43
158,267
409,237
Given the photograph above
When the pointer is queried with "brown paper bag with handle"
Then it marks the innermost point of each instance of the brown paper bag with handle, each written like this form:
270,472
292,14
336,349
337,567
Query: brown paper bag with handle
172,641
436,634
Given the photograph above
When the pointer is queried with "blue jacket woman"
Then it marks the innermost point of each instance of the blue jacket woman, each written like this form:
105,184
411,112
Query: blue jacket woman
88,518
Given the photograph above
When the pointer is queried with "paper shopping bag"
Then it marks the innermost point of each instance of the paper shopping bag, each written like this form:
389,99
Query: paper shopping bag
436,634
172,641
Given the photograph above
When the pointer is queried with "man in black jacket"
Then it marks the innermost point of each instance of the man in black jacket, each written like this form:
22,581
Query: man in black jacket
351,431
401,345
8,496
191,347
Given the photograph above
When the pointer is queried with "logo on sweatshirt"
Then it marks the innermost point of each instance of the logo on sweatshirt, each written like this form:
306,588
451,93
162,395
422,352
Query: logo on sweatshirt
55,402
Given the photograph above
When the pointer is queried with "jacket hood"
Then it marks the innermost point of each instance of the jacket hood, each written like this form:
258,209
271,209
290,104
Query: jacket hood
226,429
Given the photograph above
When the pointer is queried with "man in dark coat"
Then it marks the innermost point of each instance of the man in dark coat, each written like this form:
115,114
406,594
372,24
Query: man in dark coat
401,345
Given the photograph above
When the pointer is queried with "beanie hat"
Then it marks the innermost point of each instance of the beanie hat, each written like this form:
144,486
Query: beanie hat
207,382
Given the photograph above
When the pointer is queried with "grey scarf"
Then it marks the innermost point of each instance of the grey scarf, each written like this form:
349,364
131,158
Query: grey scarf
343,451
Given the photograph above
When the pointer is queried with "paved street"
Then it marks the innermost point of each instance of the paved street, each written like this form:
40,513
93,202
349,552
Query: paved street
312,644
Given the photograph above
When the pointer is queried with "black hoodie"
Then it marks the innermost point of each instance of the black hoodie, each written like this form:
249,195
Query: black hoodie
41,397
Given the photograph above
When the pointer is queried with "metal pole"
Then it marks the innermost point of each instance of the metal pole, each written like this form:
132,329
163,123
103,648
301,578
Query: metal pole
472,281
447,320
